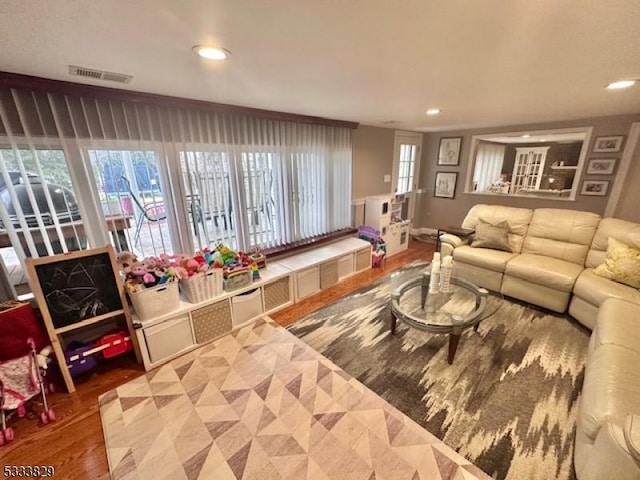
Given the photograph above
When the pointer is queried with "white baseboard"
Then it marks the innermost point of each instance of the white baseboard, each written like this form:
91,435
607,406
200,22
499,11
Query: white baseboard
423,231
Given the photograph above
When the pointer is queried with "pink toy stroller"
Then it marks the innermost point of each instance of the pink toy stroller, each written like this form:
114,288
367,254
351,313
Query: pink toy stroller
21,379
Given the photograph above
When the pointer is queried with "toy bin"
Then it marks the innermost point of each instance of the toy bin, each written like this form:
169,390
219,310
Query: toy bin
246,306
76,360
202,286
115,344
154,302
259,259
237,279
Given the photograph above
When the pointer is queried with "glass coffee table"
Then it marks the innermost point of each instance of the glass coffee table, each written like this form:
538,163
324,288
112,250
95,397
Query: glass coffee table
465,306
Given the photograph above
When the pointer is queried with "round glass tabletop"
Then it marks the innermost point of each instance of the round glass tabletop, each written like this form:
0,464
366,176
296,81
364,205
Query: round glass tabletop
463,305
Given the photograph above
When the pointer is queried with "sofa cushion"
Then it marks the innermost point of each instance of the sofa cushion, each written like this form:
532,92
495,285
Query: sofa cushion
491,236
595,289
618,324
632,435
623,231
622,264
611,388
543,270
562,234
517,218
494,260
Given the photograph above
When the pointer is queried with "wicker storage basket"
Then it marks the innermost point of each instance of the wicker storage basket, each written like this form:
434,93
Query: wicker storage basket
363,259
276,294
156,301
328,274
211,321
203,286
237,279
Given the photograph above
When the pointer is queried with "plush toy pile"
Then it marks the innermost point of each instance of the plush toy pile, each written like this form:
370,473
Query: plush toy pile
165,268
151,271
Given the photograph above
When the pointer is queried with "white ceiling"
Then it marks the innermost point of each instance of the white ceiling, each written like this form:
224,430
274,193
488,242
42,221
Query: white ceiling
484,63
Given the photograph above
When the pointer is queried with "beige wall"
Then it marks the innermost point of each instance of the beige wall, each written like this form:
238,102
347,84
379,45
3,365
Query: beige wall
372,160
436,212
627,207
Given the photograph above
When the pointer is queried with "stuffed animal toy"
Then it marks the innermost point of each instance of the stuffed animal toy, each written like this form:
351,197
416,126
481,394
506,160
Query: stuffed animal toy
152,263
227,255
43,357
126,260
177,272
138,270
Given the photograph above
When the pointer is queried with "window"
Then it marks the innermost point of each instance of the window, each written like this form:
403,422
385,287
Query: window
208,194
39,213
489,161
131,199
258,178
406,166
155,178
249,198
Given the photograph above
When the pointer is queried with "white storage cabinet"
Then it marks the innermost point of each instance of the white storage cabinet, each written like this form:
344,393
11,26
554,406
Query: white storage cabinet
246,306
281,284
168,339
345,266
307,282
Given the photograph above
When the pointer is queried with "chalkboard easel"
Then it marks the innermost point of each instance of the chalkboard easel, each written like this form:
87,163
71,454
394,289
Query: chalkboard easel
75,290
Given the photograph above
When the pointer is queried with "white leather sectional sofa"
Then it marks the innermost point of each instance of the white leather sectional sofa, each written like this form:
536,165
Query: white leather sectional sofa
554,252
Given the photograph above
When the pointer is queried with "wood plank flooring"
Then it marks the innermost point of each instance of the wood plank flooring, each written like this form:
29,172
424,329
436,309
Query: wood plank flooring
416,251
74,443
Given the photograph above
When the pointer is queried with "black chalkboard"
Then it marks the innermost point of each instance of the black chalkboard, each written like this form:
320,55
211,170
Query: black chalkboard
79,288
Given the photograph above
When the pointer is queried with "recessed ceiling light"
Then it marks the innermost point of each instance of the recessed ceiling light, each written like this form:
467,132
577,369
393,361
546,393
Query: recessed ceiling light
526,135
621,84
433,111
211,53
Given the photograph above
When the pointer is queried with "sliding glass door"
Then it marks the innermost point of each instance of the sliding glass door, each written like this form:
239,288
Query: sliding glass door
78,172
132,199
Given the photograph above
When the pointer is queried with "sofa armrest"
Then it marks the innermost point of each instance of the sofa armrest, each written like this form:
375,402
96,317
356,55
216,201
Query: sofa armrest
632,435
449,242
609,456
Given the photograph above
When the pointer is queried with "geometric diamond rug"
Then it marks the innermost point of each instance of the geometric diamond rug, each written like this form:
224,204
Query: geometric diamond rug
508,402
260,404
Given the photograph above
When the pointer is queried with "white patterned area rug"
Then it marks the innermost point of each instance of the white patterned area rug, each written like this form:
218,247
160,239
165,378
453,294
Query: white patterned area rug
509,401
259,404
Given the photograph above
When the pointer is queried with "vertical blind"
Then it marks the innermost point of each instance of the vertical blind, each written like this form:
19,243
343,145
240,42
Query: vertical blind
80,171
489,160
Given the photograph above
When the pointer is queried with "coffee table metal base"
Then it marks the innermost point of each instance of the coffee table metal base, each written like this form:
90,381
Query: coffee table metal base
454,338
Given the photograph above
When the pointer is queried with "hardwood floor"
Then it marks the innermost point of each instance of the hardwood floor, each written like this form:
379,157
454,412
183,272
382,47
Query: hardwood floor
74,443
416,251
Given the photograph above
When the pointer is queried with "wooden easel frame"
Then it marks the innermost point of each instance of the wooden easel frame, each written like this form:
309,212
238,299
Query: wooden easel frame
55,333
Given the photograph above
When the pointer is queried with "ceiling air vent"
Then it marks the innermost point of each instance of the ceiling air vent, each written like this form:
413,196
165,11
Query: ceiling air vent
99,74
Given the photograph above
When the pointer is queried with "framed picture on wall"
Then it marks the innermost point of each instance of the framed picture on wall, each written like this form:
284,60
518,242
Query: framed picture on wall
601,166
449,152
594,187
608,144
445,184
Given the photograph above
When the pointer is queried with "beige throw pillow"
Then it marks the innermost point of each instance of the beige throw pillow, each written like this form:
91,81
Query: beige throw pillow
491,236
622,264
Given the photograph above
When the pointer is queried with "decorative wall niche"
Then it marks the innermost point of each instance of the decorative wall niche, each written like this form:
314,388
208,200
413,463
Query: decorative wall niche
538,164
